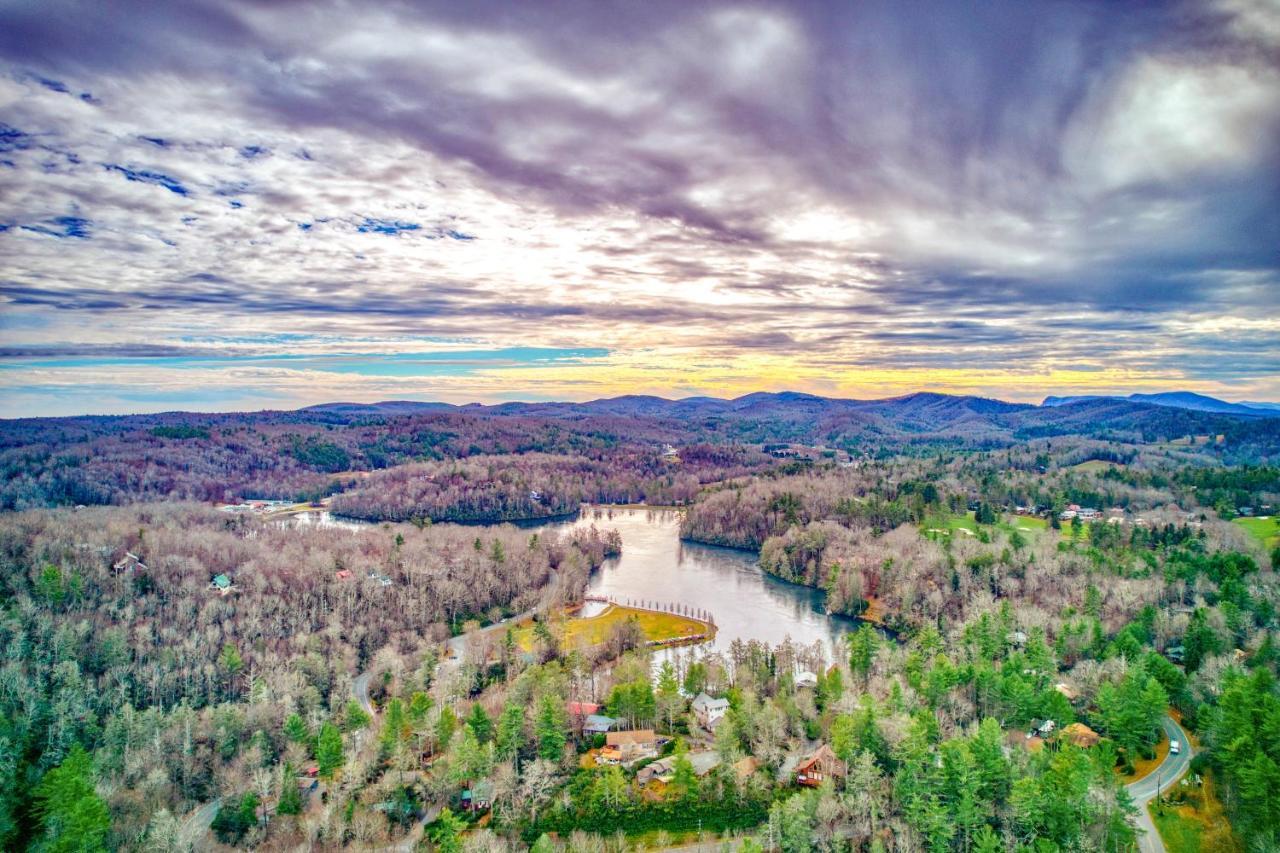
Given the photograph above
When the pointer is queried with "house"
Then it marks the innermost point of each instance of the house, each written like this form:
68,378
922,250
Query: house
1017,638
822,764
379,578
582,709
128,563
1088,514
633,745
220,584
478,797
806,679
1067,690
1067,515
1081,735
663,769
343,574
709,711
598,724
609,755
1042,728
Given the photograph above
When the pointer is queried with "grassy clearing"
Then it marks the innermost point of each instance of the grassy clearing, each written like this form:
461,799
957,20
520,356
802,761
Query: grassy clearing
584,632
1265,530
1197,824
1093,466
964,526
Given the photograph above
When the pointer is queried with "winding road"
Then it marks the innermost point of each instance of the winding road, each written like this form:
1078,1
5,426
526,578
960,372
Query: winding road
1145,789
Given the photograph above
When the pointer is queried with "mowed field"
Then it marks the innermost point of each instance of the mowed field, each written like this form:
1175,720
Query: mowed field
584,632
1093,466
965,525
1264,529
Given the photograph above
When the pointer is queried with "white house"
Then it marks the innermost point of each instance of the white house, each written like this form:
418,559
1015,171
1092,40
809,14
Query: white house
709,711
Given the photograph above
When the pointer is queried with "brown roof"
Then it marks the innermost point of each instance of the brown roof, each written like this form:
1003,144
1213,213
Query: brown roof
630,737
1081,735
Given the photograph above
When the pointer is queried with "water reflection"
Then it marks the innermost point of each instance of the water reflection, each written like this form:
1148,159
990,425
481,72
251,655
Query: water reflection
656,565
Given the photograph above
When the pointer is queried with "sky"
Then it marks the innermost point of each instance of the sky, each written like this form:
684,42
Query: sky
247,204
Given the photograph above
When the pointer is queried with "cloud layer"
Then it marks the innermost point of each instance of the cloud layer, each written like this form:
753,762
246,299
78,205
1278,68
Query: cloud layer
232,204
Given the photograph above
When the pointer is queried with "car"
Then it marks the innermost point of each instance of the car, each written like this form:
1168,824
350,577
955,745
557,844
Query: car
1174,747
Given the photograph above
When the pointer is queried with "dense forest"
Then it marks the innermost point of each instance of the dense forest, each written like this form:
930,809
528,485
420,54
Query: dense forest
311,453
1037,613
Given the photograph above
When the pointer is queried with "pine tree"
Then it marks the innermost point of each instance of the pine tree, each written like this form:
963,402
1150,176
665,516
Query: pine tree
549,729
480,723
72,815
329,755
510,730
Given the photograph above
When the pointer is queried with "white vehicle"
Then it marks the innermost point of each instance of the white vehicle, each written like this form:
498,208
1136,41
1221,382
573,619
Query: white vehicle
1174,747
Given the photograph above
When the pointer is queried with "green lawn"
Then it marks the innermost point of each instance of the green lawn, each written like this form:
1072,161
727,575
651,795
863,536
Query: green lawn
1180,834
1095,465
1265,530
584,632
1026,525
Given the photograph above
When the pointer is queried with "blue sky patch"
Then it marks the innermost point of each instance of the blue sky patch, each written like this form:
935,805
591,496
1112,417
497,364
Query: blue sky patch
145,176
62,227
386,226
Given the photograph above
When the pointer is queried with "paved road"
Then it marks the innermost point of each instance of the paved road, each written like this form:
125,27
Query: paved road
360,689
197,824
1144,790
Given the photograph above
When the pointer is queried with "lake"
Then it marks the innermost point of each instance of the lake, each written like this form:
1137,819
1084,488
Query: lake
656,565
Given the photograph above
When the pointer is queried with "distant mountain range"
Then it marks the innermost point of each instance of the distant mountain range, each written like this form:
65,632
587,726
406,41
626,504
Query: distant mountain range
1182,400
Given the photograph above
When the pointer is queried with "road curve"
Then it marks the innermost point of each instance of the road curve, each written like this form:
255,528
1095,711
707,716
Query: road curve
1159,780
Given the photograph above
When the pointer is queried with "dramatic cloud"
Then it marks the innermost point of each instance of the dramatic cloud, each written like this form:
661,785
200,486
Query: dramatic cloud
247,204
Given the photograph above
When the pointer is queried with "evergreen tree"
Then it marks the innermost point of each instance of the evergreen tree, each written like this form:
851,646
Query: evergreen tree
510,730
72,816
329,755
549,729
480,723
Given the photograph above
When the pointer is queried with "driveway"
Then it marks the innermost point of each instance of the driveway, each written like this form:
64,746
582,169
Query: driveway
1144,790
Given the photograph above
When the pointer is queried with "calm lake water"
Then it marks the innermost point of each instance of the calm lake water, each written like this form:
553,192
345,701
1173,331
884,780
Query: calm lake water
656,565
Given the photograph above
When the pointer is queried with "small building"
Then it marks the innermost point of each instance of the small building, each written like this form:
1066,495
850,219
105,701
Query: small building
478,797
1081,735
819,766
128,563
709,711
633,744
379,578
582,709
1042,728
663,769
598,724
343,574
609,755
806,679
221,584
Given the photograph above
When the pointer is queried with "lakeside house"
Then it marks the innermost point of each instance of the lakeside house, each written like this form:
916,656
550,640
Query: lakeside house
664,769
633,744
709,711
820,765
598,724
